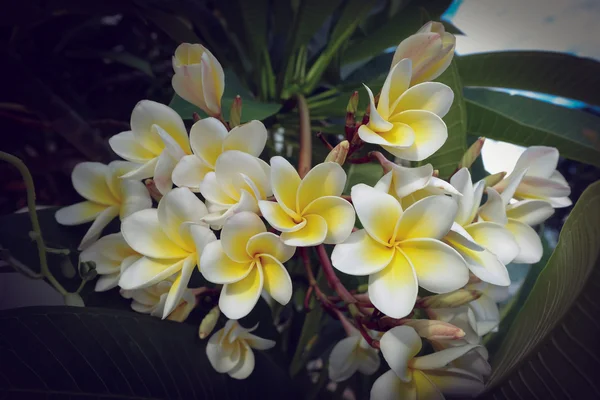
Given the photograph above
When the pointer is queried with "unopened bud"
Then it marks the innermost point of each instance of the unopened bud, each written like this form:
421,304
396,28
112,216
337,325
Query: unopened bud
449,300
339,153
435,330
74,300
235,114
436,173
67,268
87,270
153,190
196,117
352,106
208,323
493,180
471,154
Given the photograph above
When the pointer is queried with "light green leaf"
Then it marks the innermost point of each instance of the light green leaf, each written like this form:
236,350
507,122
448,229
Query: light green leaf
549,351
528,122
538,71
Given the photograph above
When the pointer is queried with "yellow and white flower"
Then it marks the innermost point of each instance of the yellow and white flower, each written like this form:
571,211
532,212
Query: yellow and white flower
426,377
157,140
541,180
484,315
238,182
106,196
246,260
153,299
308,211
400,249
350,355
199,77
486,246
171,239
407,122
109,253
431,50
229,350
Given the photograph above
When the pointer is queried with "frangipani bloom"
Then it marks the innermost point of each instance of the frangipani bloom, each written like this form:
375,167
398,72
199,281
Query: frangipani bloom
407,122
401,250
239,181
246,260
109,253
483,313
425,377
171,238
431,50
157,140
209,139
152,300
308,211
541,181
106,196
350,355
199,77
229,350
486,246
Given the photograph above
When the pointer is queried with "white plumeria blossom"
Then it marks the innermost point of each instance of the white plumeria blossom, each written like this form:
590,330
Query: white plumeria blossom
109,254
107,196
484,314
209,138
246,260
425,377
152,300
229,350
486,246
171,239
238,182
157,140
309,211
400,249
541,181
350,355
407,121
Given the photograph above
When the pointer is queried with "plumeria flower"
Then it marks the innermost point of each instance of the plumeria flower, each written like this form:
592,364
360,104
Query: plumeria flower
152,300
486,246
209,139
109,254
157,140
239,181
541,180
400,249
171,239
199,77
407,122
308,211
350,355
431,50
422,377
229,350
246,260
106,196
483,313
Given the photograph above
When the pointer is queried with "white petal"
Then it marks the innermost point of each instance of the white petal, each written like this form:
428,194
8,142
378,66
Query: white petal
236,233
389,387
442,358
540,161
201,236
361,255
256,342
425,388
385,183
90,180
377,211
79,213
409,180
467,203
396,83
221,359
529,242
338,214
179,286
398,136
399,346
147,113
530,212
278,218
277,281
271,244
509,185
560,202
486,314
107,282
206,138
217,268
189,172
163,172
430,134
212,191
285,181
246,364
326,179
369,360
311,234
495,238
229,167
249,138
343,363
456,382
145,171
126,146
430,217
101,221
147,272
213,83
171,146
430,96
135,197
377,122
239,298
177,207
494,209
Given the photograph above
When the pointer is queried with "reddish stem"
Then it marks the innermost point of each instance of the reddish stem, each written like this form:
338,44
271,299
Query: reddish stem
332,279
325,142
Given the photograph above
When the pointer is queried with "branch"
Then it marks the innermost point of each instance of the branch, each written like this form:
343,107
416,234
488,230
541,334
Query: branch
332,279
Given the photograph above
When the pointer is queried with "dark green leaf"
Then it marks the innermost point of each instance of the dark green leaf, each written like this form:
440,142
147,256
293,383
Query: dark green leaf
528,122
538,71
175,26
368,174
66,352
123,57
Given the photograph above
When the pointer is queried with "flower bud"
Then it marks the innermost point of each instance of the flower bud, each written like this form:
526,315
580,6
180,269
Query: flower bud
339,153
352,106
471,154
494,179
449,300
435,330
431,50
198,78
208,323
235,115
87,270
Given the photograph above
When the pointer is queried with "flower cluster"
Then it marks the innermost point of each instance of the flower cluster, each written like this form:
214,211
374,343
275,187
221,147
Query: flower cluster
416,230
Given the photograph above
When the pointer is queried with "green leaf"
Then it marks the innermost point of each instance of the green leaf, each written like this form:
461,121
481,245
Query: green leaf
448,156
528,122
549,350
175,26
538,71
67,352
368,174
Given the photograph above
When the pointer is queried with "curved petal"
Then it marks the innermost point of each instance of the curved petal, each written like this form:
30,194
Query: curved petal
431,217
211,190
389,387
467,203
231,164
530,245
439,268
179,286
142,231
369,360
146,272
456,382
377,122
360,255
147,113
236,233
171,146
220,215
189,91
494,209
220,358
79,213
399,346
417,47
126,146
442,358
429,96
482,263
112,248
425,388
144,171
213,83
90,180
343,362
486,314
285,181
530,212
135,197
312,234
201,236
277,281
270,244
409,180
206,138
539,161
101,221
278,218
163,172
385,183
326,179
338,214
217,268
250,138
189,172
176,207
393,290
378,212
239,298
541,188
430,134
246,364
396,83
496,238
107,282
508,186
401,136
256,342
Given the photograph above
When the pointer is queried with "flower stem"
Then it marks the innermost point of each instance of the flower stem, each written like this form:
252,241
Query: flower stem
304,160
